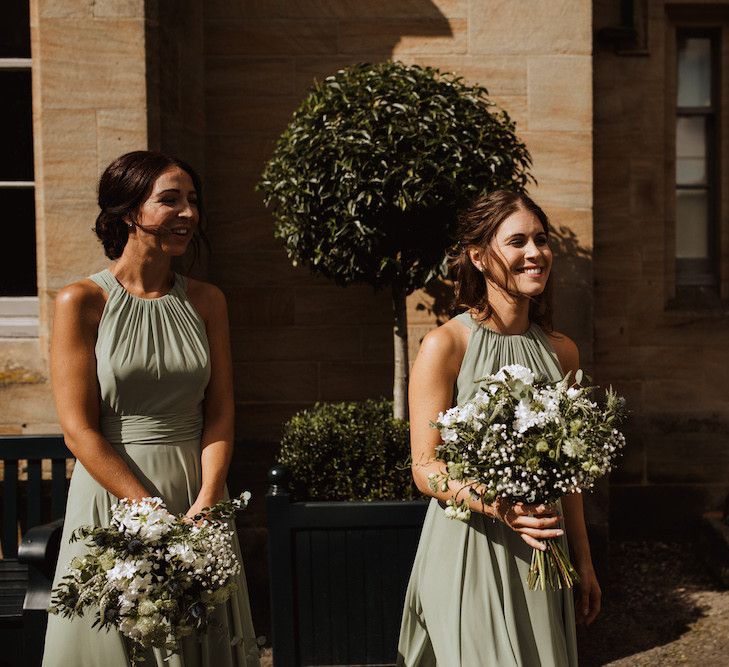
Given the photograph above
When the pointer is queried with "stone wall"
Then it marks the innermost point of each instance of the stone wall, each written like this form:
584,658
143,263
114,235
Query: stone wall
297,338
216,83
114,76
668,361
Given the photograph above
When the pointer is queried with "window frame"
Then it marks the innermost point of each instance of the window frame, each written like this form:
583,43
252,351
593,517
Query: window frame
19,316
702,273
696,298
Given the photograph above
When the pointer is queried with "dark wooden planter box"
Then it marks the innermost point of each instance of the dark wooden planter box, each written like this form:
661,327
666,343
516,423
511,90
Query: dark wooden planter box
338,573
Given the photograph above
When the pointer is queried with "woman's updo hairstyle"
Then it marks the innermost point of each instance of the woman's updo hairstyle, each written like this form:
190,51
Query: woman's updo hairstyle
477,227
124,186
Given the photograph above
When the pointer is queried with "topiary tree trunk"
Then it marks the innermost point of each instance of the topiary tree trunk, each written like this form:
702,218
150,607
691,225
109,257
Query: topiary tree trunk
400,344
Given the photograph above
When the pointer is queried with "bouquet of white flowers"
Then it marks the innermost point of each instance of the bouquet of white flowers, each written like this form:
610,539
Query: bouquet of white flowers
528,441
154,576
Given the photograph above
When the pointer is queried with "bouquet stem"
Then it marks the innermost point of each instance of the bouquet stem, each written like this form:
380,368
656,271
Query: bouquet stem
551,568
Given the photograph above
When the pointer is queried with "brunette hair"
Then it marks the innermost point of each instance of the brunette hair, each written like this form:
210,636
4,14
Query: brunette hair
477,226
125,185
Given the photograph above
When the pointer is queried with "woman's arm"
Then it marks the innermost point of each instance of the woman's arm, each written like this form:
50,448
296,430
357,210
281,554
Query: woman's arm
432,380
219,406
77,312
574,515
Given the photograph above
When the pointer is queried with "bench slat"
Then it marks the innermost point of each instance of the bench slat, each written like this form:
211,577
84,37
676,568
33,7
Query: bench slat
58,488
13,584
34,492
10,513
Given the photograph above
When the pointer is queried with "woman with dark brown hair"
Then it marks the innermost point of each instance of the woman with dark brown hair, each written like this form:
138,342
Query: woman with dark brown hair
143,382
468,603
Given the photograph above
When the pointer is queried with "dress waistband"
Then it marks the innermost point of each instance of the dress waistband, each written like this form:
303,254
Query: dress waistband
145,429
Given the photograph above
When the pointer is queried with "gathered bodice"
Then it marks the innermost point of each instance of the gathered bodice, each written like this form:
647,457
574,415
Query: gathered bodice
488,351
153,365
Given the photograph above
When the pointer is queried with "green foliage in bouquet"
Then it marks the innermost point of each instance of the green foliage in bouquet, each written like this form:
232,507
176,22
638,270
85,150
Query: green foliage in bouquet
348,451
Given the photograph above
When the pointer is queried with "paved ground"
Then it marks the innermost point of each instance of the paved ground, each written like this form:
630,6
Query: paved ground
661,610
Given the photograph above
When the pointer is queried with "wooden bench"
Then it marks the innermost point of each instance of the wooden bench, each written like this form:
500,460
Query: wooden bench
26,570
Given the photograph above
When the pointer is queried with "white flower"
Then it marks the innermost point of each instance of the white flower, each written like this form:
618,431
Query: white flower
183,552
123,569
146,519
147,608
515,372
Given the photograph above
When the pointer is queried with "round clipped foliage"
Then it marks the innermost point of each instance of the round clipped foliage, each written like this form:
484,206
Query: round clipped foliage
348,451
366,182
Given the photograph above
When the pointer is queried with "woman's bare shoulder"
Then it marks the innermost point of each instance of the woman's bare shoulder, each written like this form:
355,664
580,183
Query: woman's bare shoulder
445,346
208,299
81,296
565,349
78,308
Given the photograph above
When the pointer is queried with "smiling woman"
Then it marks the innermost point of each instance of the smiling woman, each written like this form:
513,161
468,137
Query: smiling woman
504,253
153,194
142,377
468,602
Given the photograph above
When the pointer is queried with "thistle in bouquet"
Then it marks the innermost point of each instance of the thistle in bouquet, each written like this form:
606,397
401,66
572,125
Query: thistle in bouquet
527,440
154,576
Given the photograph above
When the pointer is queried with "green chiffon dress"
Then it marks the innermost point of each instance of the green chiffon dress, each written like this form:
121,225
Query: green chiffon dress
153,365
468,603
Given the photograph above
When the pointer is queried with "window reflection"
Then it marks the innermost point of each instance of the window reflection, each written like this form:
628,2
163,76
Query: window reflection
694,72
691,151
691,222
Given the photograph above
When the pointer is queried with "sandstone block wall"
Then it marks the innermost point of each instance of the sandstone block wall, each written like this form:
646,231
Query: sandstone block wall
217,84
666,360
297,338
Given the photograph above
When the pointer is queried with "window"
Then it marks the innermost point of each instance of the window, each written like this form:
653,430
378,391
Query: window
18,278
697,120
17,200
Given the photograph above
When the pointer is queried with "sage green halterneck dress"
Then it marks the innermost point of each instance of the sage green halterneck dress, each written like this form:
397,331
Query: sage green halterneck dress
468,603
153,365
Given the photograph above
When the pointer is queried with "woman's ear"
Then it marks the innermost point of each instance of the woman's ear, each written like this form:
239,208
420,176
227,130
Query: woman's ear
477,257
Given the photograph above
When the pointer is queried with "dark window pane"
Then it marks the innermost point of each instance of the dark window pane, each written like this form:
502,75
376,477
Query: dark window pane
692,224
15,29
17,251
16,126
694,72
691,150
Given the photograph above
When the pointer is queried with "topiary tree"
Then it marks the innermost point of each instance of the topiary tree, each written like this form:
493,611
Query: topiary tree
366,182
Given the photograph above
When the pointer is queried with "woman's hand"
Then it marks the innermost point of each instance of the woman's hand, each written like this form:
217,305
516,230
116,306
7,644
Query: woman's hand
589,595
201,502
532,522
